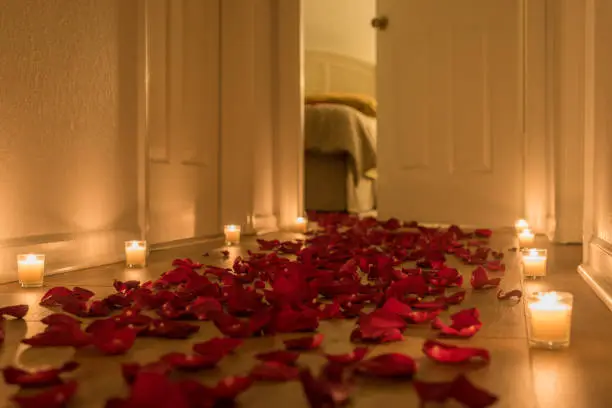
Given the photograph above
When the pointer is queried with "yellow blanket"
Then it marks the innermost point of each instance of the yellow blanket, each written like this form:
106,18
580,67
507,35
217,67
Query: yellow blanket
363,104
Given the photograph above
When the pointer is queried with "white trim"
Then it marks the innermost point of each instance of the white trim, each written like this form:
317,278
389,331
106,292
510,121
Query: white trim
143,118
588,222
598,271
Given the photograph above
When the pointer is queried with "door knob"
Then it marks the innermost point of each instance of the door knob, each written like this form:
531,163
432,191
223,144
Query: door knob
380,23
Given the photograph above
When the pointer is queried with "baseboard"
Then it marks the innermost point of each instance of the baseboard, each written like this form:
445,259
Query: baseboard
597,272
65,252
162,246
264,224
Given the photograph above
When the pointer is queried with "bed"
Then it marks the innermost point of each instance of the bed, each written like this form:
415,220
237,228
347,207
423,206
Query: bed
339,134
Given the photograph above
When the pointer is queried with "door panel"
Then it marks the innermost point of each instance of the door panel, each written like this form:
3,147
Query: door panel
450,81
183,119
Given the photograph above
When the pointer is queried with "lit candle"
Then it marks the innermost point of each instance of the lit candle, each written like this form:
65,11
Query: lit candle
550,319
526,238
232,234
301,224
31,270
521,225
534,262
136,254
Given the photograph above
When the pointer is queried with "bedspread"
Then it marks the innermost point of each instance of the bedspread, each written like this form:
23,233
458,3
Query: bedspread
332,128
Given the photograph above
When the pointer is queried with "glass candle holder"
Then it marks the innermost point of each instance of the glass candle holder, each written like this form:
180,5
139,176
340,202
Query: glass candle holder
232,234
520,226
526,238
136,254
301,224
549,319
31,270
534,262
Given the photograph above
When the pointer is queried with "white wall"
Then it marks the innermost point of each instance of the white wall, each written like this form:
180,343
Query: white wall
340,26
68,109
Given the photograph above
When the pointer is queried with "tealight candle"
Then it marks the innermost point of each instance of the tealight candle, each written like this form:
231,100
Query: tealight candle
31,270
534,262
301,224
521,225
136,254
526,238
232,234
549,319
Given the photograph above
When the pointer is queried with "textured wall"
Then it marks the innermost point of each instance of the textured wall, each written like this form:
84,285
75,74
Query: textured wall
68,100
340,26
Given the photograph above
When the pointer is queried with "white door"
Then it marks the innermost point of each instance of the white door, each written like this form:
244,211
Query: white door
450,89
183,119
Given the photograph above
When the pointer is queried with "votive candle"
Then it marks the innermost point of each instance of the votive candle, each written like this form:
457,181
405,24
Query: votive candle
301,224
549,319
534,262
136,254
526,238
31,270
232,234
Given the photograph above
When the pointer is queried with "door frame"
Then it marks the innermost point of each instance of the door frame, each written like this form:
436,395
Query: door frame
539,185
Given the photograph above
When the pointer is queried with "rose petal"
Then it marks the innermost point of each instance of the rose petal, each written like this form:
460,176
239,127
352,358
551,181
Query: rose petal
354,356
40,378
321,393
514,294
391,365
464,323
61,319
131,370
469,395
195,362
114,341
60,336
56,397
480,279
17,311
447,353
304,343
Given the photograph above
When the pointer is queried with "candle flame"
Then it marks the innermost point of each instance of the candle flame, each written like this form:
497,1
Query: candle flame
533,252
134,245
521,224
526,231
30,258
231,227
300,220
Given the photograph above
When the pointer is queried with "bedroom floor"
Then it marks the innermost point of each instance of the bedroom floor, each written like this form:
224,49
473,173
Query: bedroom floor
577,377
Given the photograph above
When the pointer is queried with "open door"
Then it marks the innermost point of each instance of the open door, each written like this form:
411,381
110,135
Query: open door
451,104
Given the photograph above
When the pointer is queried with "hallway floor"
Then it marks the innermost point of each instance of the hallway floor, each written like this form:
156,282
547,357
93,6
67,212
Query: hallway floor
521,377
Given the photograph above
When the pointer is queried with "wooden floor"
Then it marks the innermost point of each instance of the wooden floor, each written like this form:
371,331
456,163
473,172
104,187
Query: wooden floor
578,377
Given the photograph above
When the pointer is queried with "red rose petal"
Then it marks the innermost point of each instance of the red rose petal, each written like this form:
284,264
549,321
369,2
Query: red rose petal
155,390
464,323
480,279
17,311
131,370
515,294
171,329
60,336
194,362
304,343
230,387
447,353
222,345
484,233
61,319
279,356
114,341
391,365
354,356
40,378
438,392
321,393
274,371
469,395
56,397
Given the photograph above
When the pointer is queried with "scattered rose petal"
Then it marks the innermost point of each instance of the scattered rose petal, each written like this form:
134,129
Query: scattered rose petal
391,365
321,393
354,356
217,345
447,353
17,311
39,378
304,343
514,294
56,397
464,323
459,389
194,362
480,279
